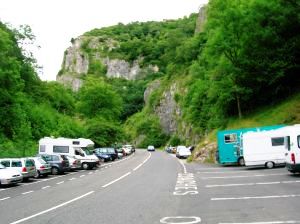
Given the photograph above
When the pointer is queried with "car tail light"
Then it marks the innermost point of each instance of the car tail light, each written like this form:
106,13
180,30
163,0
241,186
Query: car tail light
42,167
24,169
75,162
293,158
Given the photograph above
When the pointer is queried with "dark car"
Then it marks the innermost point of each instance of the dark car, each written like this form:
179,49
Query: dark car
59,163
106,154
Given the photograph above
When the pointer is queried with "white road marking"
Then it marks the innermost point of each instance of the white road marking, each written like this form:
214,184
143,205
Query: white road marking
53,208
184,168
2,189
246,176
272,222
28,192
180,219
82,175
73,178
114,181
2,199
52,178
45,187
90,173
252,184
225,172
136,168
257,197
60,182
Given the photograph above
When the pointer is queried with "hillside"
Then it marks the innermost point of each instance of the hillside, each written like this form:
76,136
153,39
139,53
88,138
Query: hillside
234,64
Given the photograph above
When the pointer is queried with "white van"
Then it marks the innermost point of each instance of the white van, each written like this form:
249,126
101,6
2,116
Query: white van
264,148
182,152
81,148
292,145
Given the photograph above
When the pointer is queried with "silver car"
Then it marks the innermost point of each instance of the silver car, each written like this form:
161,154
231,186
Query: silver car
42,167
8,176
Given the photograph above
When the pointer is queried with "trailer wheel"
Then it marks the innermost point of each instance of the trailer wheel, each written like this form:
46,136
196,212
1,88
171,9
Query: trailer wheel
269,165
241,161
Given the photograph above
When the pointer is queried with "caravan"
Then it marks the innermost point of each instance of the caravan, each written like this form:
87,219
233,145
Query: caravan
230,148
292,145
264,148
80,148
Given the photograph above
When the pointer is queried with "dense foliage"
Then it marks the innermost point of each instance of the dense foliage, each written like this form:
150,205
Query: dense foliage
250,59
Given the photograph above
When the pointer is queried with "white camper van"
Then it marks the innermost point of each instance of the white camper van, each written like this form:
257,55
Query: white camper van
80,148
292,145
264,148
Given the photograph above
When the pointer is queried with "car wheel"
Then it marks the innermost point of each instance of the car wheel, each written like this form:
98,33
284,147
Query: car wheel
269,165
54,171
85,166
241,161
37,174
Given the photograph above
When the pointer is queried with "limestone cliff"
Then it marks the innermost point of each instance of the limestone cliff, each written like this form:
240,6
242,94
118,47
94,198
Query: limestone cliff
86,51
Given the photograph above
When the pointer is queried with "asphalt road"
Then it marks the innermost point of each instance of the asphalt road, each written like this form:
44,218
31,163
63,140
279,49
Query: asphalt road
156,188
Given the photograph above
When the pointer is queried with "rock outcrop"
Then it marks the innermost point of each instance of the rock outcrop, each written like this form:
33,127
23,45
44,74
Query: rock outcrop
168,111
202,16
77,61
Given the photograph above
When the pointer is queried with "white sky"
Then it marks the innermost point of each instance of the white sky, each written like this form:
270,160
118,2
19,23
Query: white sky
55,22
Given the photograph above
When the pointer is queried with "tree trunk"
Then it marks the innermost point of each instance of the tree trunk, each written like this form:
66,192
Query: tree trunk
239,106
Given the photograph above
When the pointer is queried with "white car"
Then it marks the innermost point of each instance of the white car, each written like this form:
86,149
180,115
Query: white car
151,148
24,165
127,149
8,176
182,152
75,164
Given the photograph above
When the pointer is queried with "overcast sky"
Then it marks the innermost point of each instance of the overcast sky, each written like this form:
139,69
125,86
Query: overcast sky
55,22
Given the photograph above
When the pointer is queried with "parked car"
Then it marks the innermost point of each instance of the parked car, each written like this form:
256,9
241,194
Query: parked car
42,167
9,176
74,163
59,163
182,152
24,165
121,153
106,153
151,148
127,149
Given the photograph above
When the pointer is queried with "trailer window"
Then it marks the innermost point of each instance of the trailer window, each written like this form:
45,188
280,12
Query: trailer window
42,148
61,149
298,140
277,141
230,138
287,142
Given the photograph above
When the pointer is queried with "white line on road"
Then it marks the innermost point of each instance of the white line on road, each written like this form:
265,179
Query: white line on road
184,168
28,192
125,175
252,184
45,187
136,168
53,208
72,178
2,189
90,173
60,182
272,222
82,175
2,199
257,197
246,176
237,185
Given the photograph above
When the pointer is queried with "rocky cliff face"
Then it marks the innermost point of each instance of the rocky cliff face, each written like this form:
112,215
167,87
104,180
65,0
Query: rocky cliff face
76,62
201,19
